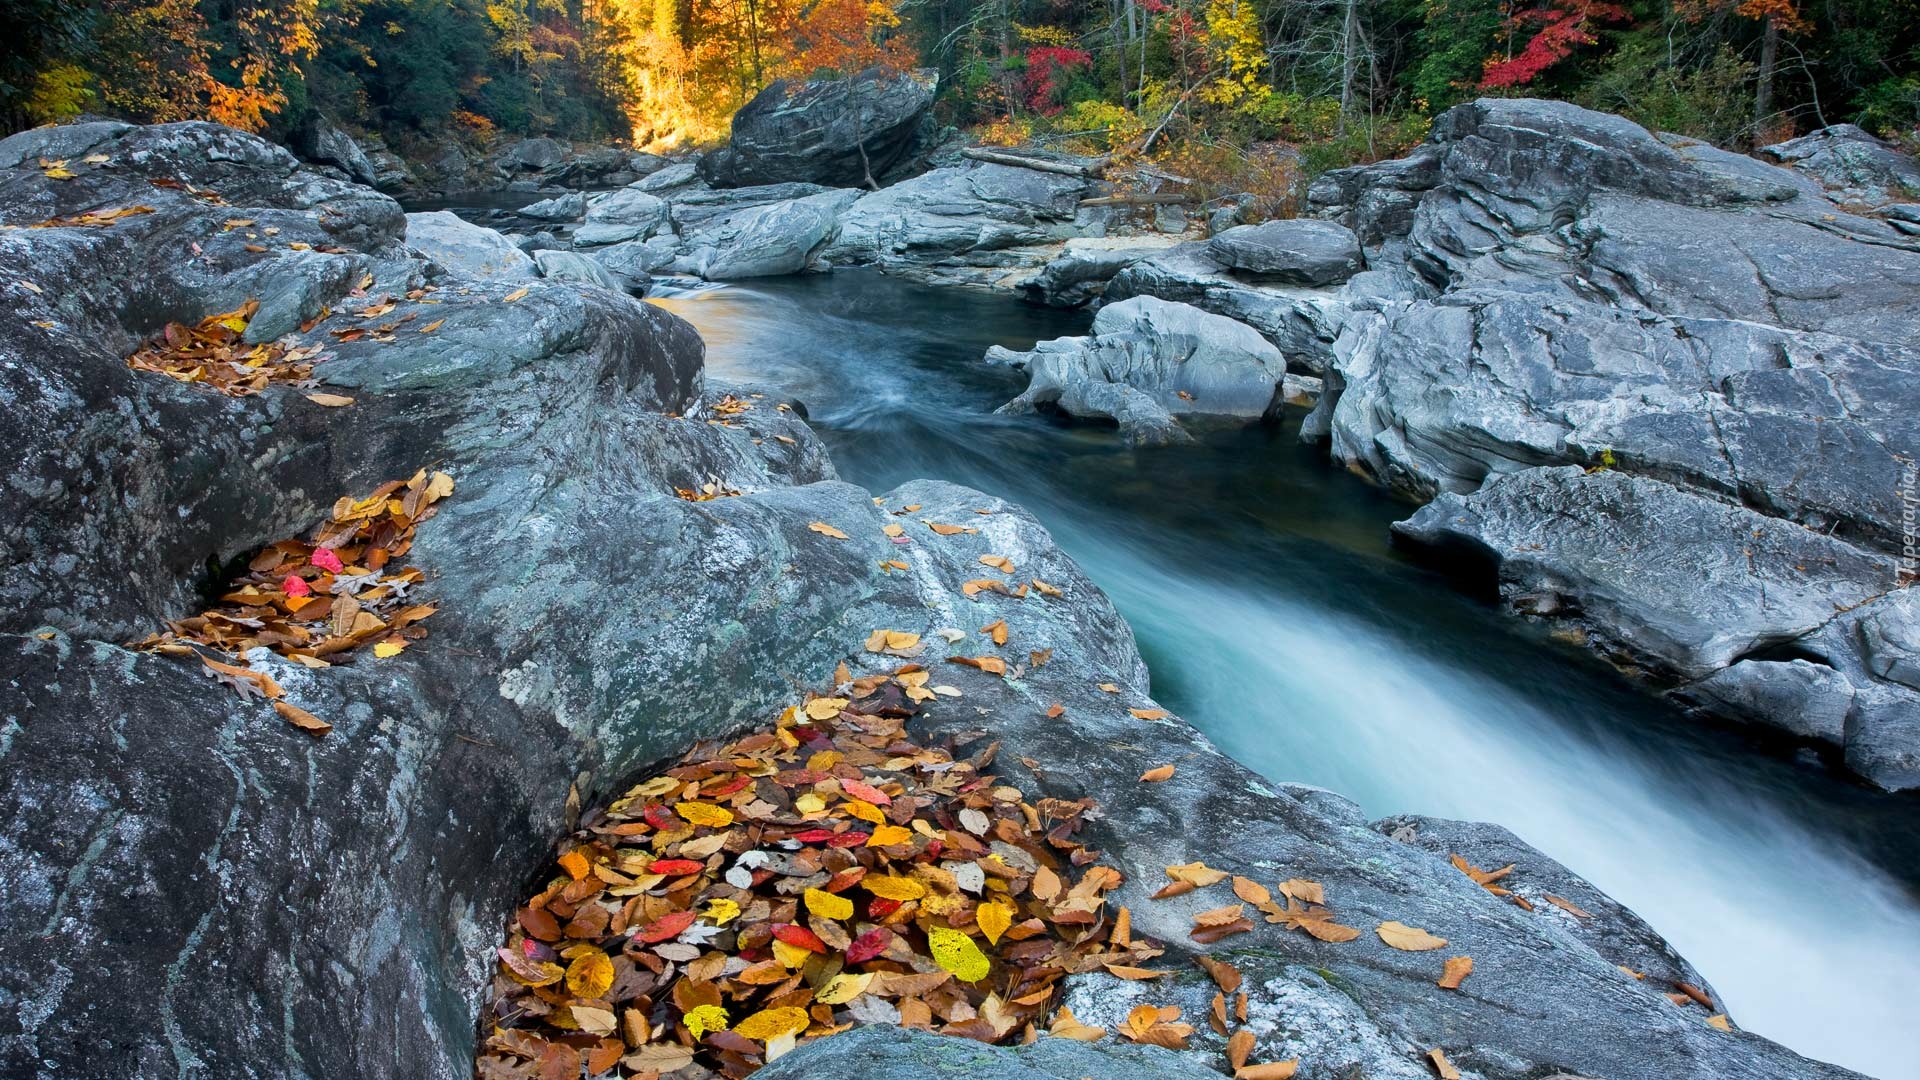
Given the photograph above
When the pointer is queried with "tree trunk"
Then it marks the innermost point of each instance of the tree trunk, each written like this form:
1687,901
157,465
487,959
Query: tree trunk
1769,59
1349,61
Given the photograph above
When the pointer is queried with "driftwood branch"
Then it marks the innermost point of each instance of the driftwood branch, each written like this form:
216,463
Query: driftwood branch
1038,164
1158,198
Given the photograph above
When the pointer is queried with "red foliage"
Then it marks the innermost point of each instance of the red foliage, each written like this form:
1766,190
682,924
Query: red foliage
1046,64
1564,25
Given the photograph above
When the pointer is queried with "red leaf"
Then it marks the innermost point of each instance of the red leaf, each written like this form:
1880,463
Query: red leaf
792,935
872,943
675,867
862,790
667,926
295,585
325,559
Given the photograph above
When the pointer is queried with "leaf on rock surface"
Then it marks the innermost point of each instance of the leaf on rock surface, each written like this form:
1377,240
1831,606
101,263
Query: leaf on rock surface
1455,971
517,294
1275,1070
825,529
1157,774
950,530
1442,1066
332,401
1569,907
1067,1026
1316,921
1148,714
1198,874
1407,938
302,719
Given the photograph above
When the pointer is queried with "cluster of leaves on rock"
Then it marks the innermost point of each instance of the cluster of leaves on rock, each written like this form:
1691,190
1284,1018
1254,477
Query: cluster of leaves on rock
826,873
315,600
215,353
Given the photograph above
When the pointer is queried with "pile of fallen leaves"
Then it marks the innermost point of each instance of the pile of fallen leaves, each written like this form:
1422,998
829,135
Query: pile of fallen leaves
309,600
824,874
213,353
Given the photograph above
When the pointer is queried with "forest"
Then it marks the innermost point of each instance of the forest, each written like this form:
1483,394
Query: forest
1318,83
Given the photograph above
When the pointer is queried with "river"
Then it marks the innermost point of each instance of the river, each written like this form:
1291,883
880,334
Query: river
1277,618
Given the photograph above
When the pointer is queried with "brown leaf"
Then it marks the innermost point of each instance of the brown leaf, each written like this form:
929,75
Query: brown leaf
825,529
1408,938
1276,1070
1442,1065
516,294
1568,906
332,401
1148,714
1238,1047
1456,969
1157,774
1251,891
302,719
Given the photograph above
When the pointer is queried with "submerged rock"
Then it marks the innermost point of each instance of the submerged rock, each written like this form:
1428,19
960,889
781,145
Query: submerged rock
837,132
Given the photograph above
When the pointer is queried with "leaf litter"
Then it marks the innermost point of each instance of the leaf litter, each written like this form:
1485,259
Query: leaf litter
313,600
822,874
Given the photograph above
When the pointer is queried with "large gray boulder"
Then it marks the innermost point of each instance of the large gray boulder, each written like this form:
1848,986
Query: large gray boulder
837,132
1145,360
1856,169
1084,267
630,213
575,267
467,249
965,224
1700,593
569,207
322,142
763,241
1300,251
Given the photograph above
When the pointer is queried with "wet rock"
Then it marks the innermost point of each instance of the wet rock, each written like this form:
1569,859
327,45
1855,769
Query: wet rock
535,154
467,249
1295,252
836,132
569,207
1084,267
1145,359
1855,168
572,266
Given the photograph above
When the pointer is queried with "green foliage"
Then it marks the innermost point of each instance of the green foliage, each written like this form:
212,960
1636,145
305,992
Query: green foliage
1451,47
1712,101
61,92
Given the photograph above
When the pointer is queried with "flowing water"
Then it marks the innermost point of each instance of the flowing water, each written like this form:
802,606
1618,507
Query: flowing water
1277,618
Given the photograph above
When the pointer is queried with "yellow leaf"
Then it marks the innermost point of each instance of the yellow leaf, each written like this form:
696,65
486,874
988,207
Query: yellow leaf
432,326
956,952
825,708
385,649
866,811
790,956
1154,776
440,486
843,988
591,974
1442,1065
892,529
810,803
828,905
993,920
331,401
1720,1021
1407,938
699,813
769,1024
825,529
888,887
889,834
721,911
1067,1026
575,864
59,174
1197,873
514,295
704,1018
949,530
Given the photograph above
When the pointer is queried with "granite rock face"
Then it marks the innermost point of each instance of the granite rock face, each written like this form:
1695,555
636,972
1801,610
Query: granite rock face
1300,251
1854,167
836,132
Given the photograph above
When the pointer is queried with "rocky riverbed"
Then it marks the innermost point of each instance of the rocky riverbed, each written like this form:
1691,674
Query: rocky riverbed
292,906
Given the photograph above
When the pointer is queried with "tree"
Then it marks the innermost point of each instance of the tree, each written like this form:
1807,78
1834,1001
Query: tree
1562,26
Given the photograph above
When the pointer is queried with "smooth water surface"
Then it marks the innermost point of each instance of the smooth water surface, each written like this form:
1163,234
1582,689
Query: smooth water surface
1277,619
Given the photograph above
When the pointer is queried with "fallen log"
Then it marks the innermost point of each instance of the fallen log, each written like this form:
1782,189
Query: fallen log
1160,198
1038,164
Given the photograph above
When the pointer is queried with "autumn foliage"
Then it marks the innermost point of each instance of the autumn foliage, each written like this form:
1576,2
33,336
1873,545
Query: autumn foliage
1557,30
